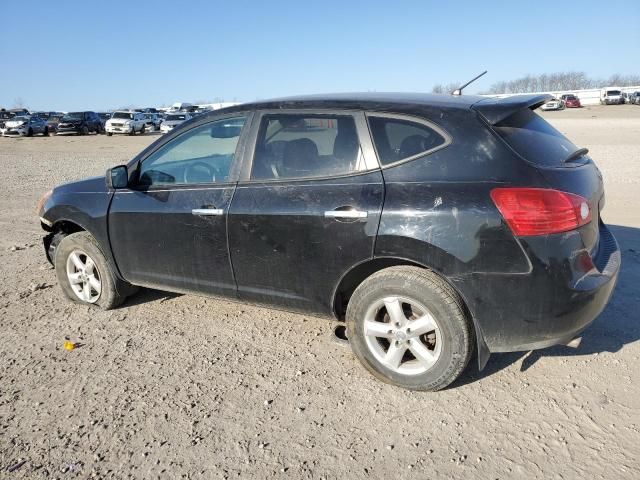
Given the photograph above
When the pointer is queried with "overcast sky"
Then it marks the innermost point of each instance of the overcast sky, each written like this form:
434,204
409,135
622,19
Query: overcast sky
68,55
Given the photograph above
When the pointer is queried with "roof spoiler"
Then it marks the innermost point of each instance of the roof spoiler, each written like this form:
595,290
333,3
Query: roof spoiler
495,109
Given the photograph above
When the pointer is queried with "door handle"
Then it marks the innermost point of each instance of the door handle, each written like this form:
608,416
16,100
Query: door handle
208,212
345,214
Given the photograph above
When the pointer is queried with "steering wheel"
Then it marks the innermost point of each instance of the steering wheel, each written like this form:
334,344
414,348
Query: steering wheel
193,173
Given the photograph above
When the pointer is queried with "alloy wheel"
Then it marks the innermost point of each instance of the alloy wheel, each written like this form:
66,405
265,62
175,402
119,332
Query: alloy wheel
83,276
403,335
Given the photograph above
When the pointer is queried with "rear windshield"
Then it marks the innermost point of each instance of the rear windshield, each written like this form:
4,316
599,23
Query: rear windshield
535,139
613,92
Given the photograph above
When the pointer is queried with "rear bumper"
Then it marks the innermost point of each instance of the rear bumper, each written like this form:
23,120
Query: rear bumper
561,296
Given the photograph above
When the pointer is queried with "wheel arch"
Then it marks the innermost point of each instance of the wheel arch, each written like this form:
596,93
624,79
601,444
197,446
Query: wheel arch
358,273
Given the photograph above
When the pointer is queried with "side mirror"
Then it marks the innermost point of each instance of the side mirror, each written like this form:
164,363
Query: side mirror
117,177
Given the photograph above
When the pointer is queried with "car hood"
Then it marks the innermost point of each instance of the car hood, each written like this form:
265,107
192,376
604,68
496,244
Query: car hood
118,120
13,123
88,185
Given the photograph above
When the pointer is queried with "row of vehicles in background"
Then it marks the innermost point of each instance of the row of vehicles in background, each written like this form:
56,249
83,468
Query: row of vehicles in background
617,97
608,96
568,100
20,122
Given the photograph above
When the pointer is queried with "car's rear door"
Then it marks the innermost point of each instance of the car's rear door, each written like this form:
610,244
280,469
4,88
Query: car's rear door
169,230
306,209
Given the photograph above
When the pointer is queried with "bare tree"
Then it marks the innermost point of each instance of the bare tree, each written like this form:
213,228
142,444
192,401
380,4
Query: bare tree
18,103
560,81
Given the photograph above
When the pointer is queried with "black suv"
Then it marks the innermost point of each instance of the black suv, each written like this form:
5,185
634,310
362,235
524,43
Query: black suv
432,224
80,122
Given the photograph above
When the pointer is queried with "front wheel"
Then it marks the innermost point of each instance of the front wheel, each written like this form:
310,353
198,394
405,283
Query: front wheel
46,131
85,275
408,327
142,130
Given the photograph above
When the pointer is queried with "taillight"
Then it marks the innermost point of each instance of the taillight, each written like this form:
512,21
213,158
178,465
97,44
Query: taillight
540,211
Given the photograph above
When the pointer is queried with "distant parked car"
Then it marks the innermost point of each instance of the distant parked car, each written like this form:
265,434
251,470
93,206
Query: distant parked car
172,120
25,126
634,98
152,121
125,122
554,104
20,112
104,116
570,100
4,116
52,119
611,96
81,123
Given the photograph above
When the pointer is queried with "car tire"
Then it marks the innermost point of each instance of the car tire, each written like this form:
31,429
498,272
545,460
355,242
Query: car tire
30,132
133,131
46,131
104,289
387,350
142,130
109,134
85,130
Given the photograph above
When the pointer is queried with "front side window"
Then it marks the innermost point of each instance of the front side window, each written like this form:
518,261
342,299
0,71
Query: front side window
399,139
201,155
306,146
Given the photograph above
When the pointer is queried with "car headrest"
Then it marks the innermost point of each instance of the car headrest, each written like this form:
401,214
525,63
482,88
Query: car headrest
413,145
299,157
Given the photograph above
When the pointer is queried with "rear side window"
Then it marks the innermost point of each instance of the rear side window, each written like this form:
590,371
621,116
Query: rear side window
303,146
535,139
398,139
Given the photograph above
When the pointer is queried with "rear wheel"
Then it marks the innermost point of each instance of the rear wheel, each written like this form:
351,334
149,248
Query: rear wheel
109,134
46,131
85,275
142,129
408,327
85,130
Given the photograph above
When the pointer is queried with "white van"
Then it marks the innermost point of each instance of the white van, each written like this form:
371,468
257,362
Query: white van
611,96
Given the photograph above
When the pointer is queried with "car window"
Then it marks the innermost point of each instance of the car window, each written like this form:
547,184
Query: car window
201,155
301,146
398,139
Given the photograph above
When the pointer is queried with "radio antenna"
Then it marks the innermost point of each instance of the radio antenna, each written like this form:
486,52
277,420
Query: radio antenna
458,91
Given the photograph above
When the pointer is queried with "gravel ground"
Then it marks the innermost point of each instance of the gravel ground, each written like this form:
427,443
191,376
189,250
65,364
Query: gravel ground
178,386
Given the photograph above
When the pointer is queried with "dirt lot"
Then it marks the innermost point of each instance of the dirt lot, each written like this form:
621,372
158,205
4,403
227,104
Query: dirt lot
176,386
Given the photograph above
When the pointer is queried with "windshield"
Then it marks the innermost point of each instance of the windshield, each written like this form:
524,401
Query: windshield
104,115
535,139
613,92
571,97
176,117
148,115
20,119
6,115
72,116
126,115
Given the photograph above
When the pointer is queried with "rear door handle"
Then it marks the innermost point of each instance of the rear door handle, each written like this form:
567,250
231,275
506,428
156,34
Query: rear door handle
207,211
345,214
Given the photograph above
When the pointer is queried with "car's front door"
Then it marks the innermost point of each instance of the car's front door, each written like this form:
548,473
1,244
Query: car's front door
306,209
169,229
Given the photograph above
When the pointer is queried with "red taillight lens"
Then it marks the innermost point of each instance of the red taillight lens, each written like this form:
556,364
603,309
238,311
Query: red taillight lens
540,211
